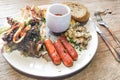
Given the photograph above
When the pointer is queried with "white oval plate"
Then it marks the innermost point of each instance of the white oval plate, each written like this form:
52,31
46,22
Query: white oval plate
42,68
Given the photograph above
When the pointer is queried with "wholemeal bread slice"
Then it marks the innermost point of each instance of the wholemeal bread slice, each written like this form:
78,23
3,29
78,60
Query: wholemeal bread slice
78,11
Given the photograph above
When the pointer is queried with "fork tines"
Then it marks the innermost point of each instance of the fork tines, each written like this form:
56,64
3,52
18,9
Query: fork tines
103,23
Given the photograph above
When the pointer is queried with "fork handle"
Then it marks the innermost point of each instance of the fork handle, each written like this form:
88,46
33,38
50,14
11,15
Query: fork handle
112,49
114,37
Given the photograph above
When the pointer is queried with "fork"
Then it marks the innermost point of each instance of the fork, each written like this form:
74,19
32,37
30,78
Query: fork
115,52
103,23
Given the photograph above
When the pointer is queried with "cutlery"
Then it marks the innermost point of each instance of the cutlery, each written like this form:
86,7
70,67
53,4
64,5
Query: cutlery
115,53
103,23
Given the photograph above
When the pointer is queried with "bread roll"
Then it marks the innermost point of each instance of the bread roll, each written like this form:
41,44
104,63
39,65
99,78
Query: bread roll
78,11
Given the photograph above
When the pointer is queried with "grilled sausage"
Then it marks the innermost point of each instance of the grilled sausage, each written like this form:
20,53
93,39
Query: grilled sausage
72,52
66,58
52,51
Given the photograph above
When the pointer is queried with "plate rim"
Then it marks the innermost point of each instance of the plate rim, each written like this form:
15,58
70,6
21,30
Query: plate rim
61,74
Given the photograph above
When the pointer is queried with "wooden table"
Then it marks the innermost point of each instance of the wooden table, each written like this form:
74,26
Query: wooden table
102,67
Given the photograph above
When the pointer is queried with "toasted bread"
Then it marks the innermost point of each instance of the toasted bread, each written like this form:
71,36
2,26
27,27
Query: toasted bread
78,11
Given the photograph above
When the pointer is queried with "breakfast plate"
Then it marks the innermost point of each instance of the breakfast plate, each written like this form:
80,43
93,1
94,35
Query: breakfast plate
40,67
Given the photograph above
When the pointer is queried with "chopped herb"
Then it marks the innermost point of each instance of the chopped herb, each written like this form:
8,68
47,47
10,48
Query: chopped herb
27,22
76,47
80,49
43,20
45,36
39,25
37,39
71,41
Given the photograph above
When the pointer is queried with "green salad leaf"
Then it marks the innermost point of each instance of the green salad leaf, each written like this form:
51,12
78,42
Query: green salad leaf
3,29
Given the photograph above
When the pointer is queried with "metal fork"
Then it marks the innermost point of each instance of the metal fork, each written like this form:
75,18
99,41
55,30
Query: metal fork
115,52
103,23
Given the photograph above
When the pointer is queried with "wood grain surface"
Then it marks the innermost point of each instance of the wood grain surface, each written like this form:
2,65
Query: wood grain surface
102,67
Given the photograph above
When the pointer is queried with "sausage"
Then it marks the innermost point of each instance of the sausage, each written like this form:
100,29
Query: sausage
66,58
72,52
52,51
